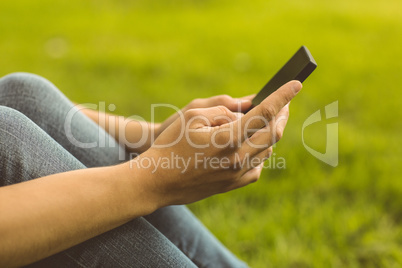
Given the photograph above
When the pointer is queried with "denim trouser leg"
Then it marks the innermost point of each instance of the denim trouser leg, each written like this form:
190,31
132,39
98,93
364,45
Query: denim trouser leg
148,241
27,152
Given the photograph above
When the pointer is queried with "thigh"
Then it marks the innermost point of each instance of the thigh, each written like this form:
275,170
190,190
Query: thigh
27,152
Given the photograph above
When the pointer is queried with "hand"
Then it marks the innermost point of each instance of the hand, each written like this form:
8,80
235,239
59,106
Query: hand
214,150
235,105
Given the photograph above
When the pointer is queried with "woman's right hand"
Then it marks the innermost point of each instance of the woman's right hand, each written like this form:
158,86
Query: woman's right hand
213,150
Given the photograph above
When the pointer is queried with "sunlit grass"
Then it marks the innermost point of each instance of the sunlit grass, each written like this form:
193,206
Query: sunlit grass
135,53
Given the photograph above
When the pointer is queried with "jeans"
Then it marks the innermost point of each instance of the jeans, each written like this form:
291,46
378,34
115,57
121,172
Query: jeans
34,143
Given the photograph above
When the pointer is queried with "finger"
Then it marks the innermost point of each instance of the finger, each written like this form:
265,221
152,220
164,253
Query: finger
233,104
260,115
249,97
255,160
252,170
238,115
268,135
280,123
209,117
250,176
247,103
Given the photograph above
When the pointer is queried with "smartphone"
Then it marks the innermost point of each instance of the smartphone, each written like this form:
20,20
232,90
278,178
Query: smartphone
299,67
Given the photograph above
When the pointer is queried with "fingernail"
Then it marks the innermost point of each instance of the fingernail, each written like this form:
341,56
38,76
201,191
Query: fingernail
245,101
297,86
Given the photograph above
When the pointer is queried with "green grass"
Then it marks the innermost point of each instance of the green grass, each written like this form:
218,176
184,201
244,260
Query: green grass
135,53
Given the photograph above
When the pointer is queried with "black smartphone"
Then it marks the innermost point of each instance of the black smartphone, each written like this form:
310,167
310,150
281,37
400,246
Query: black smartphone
299,67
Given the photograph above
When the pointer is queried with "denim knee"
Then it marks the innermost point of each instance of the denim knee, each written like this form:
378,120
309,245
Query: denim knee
27,152
15,86
10,120
35,97
12,123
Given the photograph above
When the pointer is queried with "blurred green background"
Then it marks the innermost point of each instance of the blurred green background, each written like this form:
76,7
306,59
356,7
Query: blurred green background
135,53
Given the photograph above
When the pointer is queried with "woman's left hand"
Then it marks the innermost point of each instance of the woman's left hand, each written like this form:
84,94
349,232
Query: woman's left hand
237,105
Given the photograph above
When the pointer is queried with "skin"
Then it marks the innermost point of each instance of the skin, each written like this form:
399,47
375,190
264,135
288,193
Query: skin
130,131
53,213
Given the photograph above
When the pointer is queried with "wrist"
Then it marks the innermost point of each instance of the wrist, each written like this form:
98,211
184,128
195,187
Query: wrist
132,138
141,199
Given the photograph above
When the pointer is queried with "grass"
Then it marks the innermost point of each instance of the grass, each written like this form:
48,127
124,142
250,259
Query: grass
135,53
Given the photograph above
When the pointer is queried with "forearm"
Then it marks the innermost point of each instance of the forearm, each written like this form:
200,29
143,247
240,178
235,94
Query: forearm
136,135
50,214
